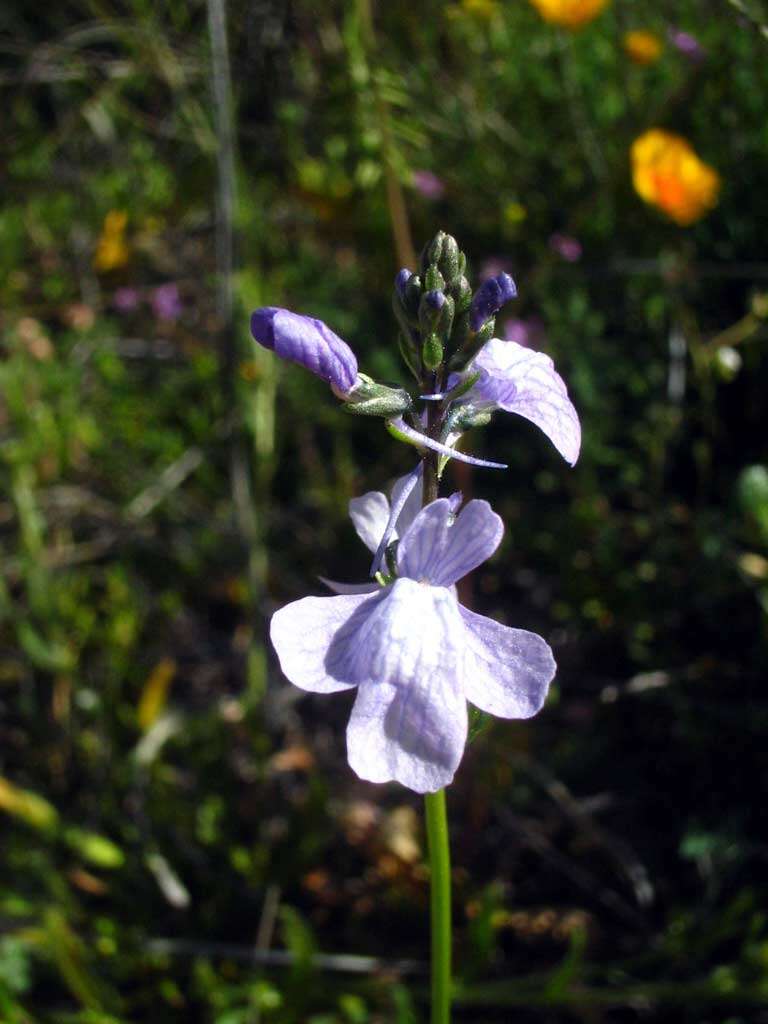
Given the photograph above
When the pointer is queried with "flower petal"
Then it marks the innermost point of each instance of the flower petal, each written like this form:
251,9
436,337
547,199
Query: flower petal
412,505
507,671
409,721
517,379
369,514
441,553
401,492
307,341
302,634
492,294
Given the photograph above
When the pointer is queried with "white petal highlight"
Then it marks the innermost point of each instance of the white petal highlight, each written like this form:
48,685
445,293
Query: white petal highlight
369,514
507,671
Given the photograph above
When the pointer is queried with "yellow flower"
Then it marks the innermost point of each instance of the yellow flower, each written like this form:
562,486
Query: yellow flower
570,13
667,173
112,249
643,47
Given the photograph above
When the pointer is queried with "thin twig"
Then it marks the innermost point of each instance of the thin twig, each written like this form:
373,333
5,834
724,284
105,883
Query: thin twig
348,963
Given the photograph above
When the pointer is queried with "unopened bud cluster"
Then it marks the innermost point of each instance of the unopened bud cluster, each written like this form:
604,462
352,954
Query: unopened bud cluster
441,322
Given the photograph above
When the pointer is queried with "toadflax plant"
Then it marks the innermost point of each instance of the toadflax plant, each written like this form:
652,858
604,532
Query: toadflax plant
402,640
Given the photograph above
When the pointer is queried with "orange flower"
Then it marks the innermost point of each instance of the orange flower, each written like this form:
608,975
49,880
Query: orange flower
642,47
112,249
667,173
570,13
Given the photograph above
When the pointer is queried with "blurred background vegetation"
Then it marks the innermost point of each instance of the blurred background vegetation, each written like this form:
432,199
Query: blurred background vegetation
182,839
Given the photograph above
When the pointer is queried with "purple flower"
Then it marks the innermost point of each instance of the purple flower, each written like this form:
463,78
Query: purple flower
489,298
428,184
415,654
435,300
166,302
686,44
379,523
517,379
494,266
126,300
309,342
524,332
566,246
401,281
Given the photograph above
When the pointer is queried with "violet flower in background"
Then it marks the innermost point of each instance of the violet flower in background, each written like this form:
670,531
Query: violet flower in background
489,298
308,342
428,184
126,300
415,654
686,44
524,332
517,379
166,302
493,267
566,246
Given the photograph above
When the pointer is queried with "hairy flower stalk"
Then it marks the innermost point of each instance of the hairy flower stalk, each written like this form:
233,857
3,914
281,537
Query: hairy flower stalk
403,641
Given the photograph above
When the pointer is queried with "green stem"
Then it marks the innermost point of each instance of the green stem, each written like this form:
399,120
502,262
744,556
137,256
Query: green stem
440,905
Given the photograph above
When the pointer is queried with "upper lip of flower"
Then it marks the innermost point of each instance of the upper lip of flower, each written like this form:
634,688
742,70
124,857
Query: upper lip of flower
517,379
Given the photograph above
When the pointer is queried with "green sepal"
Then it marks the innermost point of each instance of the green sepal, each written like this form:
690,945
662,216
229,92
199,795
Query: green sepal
372,399
436,321
466,416
448,261
460,291
431,252
413,295
472,345
433,280
410,355
432,352
465,384
478,723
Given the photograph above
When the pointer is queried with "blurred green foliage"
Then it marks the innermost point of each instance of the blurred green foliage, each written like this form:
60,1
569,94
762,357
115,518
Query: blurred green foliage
181,836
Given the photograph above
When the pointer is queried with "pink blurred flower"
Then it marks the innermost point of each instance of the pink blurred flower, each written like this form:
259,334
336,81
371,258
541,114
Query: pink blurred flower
166,302
428,184
126,300
493,267
529,333
566,246
686,44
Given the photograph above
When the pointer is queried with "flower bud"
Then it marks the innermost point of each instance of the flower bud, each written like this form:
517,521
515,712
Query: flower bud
432,251
448,262
460,291
401,282
436,314
433,280
472,345
308,342
489,298
432,352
